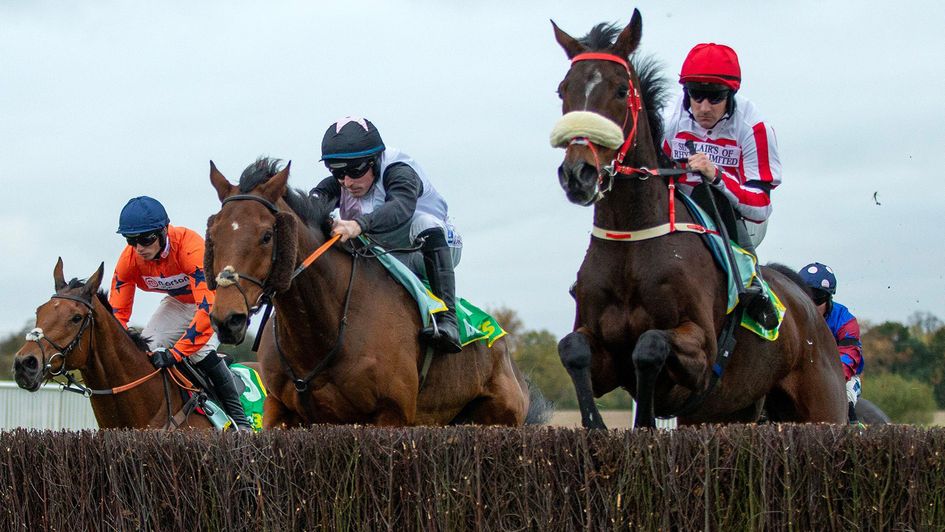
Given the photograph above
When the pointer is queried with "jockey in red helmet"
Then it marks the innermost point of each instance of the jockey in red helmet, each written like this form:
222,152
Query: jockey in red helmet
168,259
736,151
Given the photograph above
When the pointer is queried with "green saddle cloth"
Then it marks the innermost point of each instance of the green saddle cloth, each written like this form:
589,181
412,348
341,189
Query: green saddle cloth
254,393
746,267
474,323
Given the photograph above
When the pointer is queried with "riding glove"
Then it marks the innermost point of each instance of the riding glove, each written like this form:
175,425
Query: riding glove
162,358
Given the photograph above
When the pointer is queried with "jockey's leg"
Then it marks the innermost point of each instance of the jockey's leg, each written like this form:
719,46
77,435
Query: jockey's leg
225,387
438,261
757,303
168,323
853,393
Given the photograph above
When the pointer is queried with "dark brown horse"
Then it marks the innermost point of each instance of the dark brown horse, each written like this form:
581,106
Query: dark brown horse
343,345
650,311
75,330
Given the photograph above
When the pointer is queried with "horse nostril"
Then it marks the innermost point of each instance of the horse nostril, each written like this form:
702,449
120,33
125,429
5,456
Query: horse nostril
27,363
236,321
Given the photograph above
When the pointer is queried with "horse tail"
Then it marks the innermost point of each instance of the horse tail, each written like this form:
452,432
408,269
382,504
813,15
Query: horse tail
540,409
870,414
790,274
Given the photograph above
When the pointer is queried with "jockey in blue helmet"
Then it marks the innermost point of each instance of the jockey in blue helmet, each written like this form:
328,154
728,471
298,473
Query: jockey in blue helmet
163,258
822,282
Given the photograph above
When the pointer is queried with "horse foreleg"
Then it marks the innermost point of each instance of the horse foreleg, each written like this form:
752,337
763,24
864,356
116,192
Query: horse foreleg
649,357
575,352
277,416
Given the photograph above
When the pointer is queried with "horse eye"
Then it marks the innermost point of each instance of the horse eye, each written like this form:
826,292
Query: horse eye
267,237
622,92
76,318
561,90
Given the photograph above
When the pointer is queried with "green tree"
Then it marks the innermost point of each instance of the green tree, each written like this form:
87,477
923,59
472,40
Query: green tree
537,356
904,400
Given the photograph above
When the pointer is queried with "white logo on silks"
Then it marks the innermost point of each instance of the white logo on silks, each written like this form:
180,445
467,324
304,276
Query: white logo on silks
167,283
719,155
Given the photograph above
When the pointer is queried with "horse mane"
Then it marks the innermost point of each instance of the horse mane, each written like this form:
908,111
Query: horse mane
791,274
654,87
300,202
140,341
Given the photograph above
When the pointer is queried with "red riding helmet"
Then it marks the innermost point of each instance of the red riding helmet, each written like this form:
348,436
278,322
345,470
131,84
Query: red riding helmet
712,63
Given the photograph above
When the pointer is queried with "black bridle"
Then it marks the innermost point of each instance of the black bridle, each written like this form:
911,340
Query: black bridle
267,294
233,276
62,352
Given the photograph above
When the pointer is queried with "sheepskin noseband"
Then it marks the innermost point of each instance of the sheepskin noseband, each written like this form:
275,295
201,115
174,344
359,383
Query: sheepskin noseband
584,124
208,271
286,251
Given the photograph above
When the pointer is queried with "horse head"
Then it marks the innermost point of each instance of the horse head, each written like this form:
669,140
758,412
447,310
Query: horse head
601,105
251,246
60,341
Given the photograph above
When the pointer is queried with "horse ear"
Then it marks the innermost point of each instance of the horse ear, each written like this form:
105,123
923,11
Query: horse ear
95,281
57,275
274,187
224,188
571,45
629,38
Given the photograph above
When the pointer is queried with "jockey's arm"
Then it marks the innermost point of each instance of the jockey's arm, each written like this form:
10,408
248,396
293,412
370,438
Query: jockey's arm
199,331
326,194
751,194
122,294
403,187
850,347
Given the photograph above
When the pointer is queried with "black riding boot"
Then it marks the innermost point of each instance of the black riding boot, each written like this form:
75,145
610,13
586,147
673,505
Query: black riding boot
851,413
438,262
757,303
221,378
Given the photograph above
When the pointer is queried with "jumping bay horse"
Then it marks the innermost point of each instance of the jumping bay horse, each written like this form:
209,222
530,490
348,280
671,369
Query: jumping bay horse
342,344
75,330
650,310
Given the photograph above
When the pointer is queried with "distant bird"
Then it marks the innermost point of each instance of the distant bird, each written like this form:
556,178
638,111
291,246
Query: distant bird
875,199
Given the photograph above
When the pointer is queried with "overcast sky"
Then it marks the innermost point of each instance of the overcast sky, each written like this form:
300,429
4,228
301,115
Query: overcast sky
103,101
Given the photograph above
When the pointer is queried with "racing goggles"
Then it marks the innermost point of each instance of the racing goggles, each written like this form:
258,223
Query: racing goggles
820,296
354,170
144,239
714,97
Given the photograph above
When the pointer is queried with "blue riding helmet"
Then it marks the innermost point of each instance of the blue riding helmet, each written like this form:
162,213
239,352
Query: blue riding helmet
141,215
820,276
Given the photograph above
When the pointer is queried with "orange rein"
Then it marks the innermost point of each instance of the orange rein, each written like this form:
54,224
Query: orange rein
175,374
314,256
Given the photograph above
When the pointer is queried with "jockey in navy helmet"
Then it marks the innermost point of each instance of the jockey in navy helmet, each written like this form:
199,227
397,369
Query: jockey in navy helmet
382,192
822,282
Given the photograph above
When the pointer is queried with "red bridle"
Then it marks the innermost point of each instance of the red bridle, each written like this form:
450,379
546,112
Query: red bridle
634,105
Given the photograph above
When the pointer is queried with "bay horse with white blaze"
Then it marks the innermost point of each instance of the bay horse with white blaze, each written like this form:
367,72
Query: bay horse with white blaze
342,346
650,310
75,330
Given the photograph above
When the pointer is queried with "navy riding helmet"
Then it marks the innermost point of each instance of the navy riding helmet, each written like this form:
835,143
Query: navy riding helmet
142,215
820,276
351,138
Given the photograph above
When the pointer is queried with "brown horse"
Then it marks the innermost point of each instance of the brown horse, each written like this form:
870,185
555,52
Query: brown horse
343,345
75,330
650,311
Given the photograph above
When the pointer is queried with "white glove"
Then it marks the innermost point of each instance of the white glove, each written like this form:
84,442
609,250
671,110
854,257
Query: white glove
853,389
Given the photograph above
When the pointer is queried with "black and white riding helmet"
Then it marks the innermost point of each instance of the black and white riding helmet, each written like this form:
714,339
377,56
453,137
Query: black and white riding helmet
351,140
